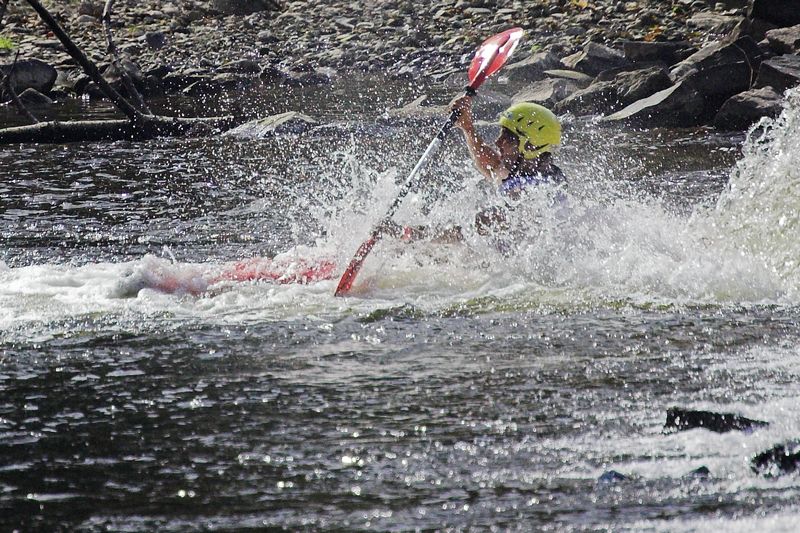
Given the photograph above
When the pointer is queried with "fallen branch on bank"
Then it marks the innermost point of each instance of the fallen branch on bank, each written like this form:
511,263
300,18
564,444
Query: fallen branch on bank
138,126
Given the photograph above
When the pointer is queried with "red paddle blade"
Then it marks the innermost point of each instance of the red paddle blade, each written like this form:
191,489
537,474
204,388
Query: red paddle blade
492,55
350,273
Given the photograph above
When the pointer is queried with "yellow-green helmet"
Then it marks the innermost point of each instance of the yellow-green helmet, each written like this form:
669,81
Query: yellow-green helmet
536,127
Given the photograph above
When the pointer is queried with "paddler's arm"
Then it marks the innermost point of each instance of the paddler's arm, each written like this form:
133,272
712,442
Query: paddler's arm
485,157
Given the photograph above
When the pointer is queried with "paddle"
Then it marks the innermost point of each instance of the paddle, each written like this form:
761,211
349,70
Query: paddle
490,56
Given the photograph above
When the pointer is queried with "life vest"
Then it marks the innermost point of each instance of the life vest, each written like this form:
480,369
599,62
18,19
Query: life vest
514,183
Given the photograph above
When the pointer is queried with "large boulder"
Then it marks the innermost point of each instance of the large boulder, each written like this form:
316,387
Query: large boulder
780,73
291,123
680,105
594,59
647,51
547,92
744,109
31,73
779,12
245,7
784,40
531,68
720,71
622,90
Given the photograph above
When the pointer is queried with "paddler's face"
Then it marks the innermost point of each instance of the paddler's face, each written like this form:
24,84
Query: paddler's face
508,147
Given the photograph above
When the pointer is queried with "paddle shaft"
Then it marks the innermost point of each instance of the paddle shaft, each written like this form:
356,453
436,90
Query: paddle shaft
433,147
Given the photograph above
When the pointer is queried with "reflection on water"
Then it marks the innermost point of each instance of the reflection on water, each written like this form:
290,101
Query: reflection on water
461,388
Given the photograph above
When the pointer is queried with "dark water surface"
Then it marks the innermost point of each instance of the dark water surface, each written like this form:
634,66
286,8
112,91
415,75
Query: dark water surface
446,395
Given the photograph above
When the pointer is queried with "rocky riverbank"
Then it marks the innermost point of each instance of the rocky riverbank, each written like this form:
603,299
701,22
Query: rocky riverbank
670,62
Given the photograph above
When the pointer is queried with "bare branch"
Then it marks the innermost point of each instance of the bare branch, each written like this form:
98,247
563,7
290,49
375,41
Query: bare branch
90,68
115,60
13,94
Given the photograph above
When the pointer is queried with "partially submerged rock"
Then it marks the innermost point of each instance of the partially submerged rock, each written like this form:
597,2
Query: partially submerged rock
779,460
679,419
744,109
290,122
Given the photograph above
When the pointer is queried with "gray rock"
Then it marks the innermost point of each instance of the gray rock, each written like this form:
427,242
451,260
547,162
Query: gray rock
779,12
669,52
531,68
581,79
31,73
742,110
594,59
155,39
607,96
679,106
244,7
784,40
32,97
547,92
713,22
289,123
743,50
781,73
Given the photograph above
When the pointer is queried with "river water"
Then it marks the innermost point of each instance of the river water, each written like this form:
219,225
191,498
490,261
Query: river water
462,386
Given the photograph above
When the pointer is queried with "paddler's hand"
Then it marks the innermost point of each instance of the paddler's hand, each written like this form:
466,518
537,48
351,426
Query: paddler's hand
463,106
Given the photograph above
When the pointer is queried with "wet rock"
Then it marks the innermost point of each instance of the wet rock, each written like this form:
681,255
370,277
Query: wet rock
290,122
784,40
679,419
533,68
668,52
31,73
680,106
779,12
612,476
581,79
623,90
33,98
594,59
244,7
742,110
782,459
780,73
547,92
156,40
699,473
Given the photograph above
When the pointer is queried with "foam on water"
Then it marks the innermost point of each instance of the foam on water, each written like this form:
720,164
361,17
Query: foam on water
594,249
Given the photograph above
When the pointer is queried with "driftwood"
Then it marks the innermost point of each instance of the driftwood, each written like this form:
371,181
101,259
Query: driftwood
138,126
113,130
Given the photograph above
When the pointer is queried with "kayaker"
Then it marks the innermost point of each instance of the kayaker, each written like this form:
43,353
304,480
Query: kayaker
521,157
